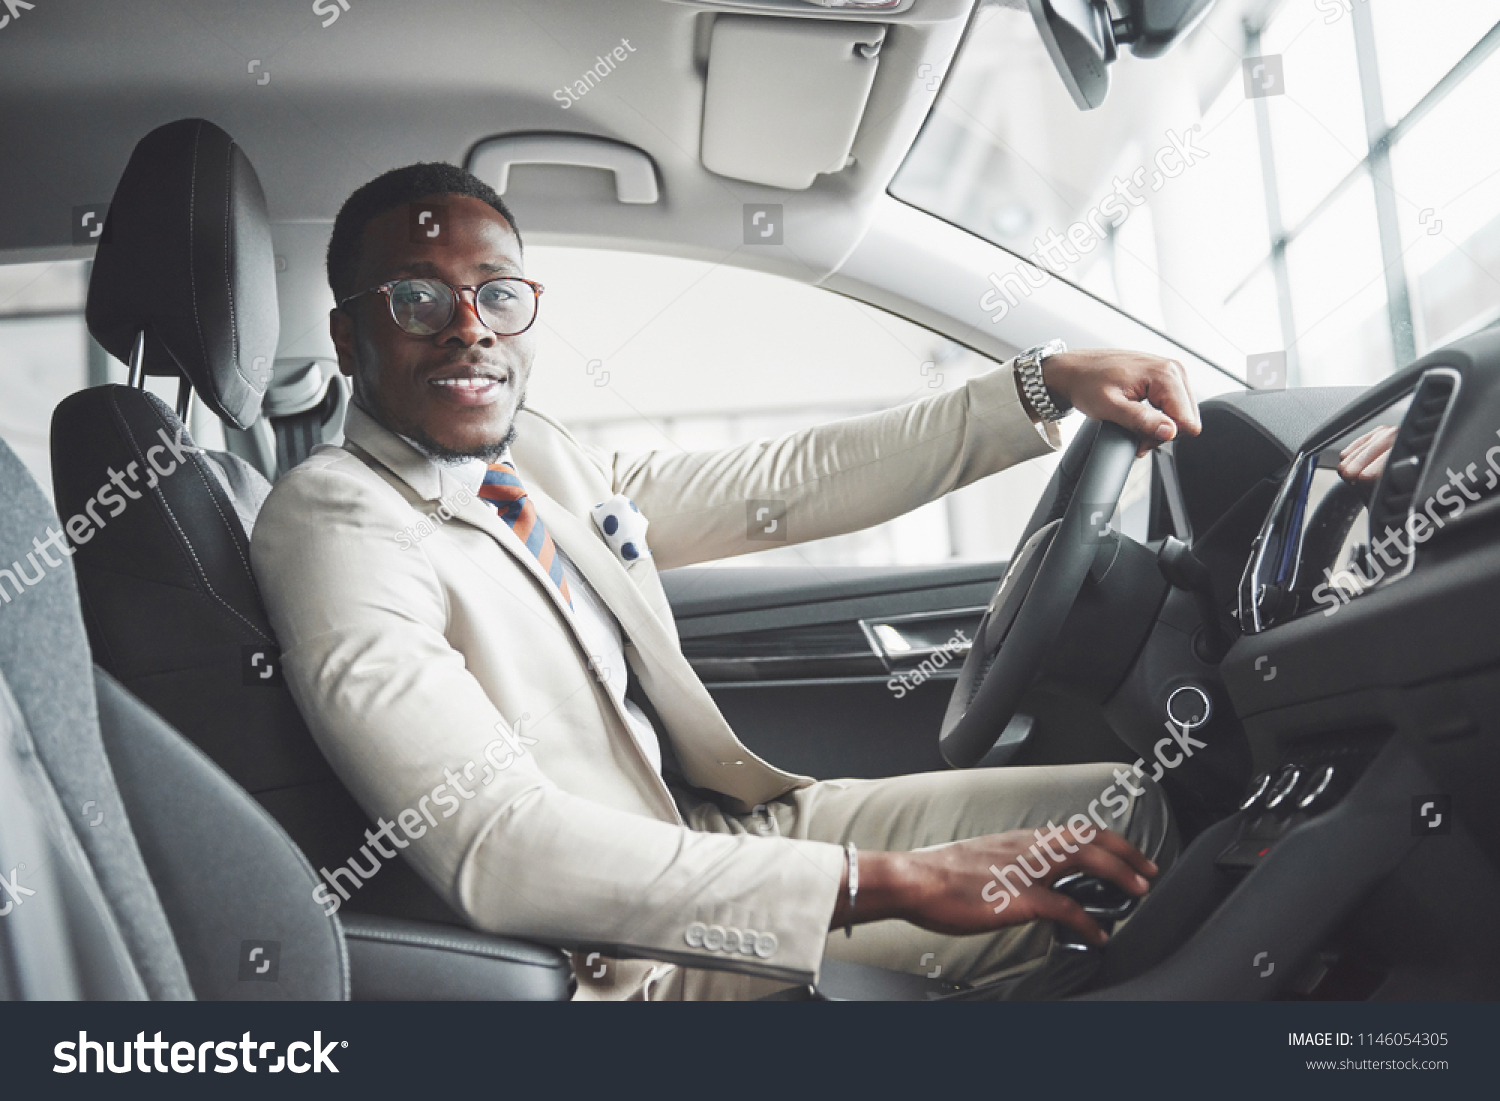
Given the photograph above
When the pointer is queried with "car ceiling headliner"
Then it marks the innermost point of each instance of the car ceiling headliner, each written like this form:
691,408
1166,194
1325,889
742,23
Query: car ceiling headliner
391,82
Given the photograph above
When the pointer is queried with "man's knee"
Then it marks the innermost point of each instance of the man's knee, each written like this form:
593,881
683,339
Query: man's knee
1114,796
1150,826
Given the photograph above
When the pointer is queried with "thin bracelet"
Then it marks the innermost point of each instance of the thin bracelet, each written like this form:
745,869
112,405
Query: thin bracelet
853,855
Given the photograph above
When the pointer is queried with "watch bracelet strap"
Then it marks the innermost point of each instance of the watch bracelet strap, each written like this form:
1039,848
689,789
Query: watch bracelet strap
1040,397
852,857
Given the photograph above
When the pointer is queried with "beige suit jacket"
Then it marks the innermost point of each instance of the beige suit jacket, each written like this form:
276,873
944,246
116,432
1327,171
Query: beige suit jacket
441,673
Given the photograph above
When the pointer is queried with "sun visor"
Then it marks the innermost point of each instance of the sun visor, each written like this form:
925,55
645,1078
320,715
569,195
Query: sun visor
784,97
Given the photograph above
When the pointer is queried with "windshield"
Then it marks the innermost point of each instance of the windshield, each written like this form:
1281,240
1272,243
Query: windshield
1305,192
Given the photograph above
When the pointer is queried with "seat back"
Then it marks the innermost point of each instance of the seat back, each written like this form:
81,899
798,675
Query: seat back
162,531
134,868
44,659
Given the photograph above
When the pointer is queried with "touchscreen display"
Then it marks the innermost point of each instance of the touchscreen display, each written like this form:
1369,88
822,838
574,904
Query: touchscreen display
1316,552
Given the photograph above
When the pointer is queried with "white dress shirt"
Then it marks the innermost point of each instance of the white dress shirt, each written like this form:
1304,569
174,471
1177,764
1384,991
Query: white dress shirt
596,625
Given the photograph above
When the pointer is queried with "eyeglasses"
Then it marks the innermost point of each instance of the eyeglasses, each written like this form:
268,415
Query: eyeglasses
421,307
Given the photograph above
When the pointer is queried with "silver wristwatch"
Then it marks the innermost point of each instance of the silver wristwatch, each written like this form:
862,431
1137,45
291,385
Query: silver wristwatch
1028,367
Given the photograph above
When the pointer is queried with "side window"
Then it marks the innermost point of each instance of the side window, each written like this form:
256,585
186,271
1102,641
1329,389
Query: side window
46,354
638,352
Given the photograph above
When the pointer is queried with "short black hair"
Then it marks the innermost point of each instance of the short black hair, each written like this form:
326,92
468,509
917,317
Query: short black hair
388,191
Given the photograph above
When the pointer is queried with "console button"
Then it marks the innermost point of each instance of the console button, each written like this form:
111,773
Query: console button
1189,707
1320,791
1285,783
1244,854
1257,789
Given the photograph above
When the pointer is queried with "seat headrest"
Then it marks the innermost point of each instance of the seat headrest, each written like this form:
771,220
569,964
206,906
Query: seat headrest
186,256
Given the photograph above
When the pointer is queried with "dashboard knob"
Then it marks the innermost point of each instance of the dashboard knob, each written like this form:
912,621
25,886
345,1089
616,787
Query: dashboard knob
1320,792
1282,788
1257,789
1189,707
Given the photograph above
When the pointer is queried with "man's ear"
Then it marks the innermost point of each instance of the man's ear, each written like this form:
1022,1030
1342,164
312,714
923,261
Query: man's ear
341,328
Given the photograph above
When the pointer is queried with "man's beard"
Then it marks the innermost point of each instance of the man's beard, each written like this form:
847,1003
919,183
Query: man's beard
488,452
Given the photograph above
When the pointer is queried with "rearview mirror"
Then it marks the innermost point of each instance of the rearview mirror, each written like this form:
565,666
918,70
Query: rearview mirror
1082,37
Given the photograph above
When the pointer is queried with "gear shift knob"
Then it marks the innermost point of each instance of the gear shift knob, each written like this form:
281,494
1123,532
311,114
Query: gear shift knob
1100,899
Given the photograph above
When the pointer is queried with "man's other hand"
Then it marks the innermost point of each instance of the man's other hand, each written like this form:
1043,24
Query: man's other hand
1147,394
954,889
1363,461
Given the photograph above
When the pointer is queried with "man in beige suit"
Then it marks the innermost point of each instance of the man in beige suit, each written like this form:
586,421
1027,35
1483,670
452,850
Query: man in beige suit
459,633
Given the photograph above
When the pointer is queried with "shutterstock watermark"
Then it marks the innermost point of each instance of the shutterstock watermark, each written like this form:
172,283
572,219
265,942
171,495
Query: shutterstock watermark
1338,588
15,894
1334,10
13,10
1002,888
499,755
192,1057
909,679
83,526
1055,253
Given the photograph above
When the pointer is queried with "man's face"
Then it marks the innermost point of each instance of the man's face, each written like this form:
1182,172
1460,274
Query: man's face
457,391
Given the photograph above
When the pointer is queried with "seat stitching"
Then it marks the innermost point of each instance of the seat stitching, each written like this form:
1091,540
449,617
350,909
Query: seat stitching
192,275
489,952
234,332
161,498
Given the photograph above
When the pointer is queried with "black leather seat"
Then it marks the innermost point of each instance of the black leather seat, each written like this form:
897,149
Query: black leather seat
184,286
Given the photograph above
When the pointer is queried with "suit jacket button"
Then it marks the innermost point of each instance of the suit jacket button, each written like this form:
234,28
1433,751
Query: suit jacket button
765,945
713,940
694,935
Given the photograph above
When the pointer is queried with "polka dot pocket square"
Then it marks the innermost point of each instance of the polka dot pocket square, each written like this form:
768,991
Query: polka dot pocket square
623,527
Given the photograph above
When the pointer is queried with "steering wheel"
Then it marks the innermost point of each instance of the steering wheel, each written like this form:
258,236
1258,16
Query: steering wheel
1043,580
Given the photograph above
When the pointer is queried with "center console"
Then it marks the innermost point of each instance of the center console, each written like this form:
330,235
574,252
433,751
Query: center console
1365,671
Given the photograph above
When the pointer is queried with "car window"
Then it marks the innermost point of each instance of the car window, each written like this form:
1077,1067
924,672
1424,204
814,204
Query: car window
637,352
46,354
1306,197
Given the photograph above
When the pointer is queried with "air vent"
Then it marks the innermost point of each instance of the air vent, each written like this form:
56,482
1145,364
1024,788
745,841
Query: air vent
1395,495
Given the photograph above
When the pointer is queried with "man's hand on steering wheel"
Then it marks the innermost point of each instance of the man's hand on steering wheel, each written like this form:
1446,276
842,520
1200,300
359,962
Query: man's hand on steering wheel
1147,394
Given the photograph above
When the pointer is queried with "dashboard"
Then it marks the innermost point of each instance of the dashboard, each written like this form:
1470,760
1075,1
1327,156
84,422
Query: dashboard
1366,614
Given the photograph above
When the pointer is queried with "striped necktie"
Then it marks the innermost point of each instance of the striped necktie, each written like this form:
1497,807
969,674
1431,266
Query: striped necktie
502,488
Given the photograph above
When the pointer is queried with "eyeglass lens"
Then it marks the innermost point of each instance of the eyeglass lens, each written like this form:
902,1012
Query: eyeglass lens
425,306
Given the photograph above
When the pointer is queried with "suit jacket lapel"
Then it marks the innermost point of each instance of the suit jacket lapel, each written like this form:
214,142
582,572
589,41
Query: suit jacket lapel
714,758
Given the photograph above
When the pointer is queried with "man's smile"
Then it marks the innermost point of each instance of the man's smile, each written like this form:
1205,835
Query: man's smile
470,386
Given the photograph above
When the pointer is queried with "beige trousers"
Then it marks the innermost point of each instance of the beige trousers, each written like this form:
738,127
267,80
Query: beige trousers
904,813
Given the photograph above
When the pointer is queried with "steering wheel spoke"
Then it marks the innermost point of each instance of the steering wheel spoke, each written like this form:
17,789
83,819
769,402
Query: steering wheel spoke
1045,577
